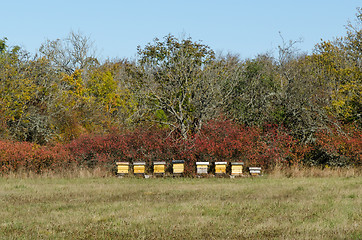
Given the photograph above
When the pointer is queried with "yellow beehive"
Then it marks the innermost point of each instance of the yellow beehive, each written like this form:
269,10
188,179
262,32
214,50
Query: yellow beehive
178,166
122,168
201,167
220,167
139,167
159,167
237,168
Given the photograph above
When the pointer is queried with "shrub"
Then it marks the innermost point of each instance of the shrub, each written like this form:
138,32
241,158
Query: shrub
337,147
15,156
219,140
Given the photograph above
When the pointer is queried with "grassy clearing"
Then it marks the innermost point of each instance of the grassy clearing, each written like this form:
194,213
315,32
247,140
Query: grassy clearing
183,208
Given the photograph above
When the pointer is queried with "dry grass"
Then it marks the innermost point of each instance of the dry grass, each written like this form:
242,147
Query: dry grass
66,173
300,172
181,208
277,172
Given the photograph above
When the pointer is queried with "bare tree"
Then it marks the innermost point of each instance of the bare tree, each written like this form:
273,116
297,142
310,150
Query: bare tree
74,52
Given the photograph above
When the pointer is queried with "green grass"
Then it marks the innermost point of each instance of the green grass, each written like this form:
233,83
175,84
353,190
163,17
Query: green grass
183,208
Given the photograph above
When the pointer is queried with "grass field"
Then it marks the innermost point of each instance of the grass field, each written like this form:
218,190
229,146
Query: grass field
181,208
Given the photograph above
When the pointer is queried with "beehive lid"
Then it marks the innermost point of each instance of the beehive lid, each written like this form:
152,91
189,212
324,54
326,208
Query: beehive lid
237,163
202,163
159,163
178,161
122,163
139,163
221,163
255,168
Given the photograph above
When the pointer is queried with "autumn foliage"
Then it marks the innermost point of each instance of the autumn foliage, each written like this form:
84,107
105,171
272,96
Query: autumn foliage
15,156
221,140
343,149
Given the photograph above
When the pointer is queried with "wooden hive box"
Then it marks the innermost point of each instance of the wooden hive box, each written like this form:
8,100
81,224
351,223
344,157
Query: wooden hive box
237,168
201,167
139,168
159,168
220,167
178,166
255,171
122,168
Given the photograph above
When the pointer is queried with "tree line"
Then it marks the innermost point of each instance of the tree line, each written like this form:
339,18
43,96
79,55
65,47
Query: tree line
179,86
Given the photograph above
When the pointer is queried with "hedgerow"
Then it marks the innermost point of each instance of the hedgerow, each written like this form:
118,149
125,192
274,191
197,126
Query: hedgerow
219,140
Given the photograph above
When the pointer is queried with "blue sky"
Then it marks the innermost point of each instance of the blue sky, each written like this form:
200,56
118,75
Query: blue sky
241,27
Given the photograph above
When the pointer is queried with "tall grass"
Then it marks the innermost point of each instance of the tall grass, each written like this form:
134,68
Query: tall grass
72,172
298,171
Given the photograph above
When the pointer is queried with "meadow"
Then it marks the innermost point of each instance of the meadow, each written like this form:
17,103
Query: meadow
267,207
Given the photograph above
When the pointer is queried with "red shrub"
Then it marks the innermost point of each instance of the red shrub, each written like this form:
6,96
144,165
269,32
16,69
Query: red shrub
228,141
221,140
346,142
28,156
